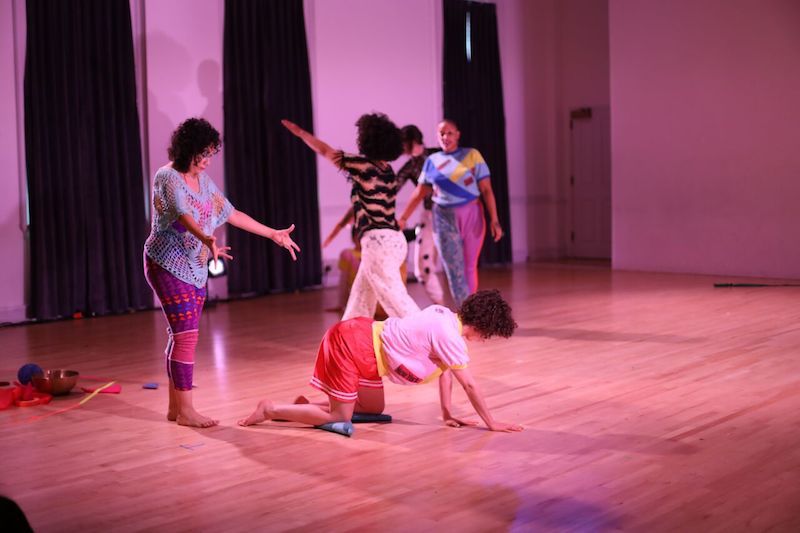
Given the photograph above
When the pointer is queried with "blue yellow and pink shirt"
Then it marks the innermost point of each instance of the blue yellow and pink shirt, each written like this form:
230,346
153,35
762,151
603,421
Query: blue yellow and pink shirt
454,176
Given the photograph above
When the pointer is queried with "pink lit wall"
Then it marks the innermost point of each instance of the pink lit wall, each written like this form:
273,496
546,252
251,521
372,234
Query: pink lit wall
365,56
705,114
183,43
554,56
528,64
180,47
12,156
582,81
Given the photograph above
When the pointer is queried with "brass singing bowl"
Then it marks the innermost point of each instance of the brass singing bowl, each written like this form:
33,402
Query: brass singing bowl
55,382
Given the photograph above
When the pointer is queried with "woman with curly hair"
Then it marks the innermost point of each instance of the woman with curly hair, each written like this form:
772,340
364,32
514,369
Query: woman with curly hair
187,208
373,195
356,354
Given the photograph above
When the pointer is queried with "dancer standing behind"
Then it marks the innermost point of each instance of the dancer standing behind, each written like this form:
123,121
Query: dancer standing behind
458,178
425,254
187,208
374,192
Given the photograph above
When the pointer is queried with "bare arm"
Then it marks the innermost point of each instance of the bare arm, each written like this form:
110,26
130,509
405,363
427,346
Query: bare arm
464,377
278,236
445,394
418,195
192,227
345,220
485,186
315,144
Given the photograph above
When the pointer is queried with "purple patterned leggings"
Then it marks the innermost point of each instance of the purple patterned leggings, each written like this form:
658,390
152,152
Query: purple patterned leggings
182,304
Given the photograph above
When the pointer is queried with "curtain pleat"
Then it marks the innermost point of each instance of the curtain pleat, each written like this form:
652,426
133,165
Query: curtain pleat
473,97
83,156
268,174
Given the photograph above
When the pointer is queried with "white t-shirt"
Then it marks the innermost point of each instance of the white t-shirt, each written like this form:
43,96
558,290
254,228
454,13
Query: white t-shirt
418,347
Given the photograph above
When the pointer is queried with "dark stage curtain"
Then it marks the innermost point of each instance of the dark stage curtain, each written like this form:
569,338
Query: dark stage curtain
83,154
473,97
269,174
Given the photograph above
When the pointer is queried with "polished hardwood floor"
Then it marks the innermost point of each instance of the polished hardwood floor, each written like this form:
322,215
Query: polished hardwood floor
651,402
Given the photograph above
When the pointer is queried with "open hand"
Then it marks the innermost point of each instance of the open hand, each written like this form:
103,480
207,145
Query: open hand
281,238
217,251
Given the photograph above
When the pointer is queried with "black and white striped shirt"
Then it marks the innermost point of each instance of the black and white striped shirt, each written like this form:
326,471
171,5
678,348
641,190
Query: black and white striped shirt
373,194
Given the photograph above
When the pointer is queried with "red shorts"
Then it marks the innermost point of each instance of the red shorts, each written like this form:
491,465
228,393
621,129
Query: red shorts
346,360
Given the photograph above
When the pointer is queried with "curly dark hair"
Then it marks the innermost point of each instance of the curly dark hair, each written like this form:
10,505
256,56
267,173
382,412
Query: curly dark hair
487,312
410,134
378,137
190,141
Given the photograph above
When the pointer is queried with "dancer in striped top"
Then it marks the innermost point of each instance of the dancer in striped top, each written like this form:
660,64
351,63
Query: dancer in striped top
373,195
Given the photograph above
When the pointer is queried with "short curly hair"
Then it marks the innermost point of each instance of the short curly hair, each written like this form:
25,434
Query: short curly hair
378,137
488,313
189,142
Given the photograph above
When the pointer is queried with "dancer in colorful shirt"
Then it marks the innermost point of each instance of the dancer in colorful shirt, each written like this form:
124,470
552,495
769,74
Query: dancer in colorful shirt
356,354
458,178
187,208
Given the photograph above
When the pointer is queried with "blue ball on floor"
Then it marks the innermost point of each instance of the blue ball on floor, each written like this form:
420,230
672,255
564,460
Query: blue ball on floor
27,372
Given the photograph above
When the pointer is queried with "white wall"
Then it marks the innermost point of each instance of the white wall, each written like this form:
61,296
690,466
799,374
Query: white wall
365,56
705,130
554,57
12,161
528,63
582,81
181,43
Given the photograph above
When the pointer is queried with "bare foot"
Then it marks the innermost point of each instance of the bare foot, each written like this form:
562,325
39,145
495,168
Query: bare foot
301,400
172,414
190,417
259,415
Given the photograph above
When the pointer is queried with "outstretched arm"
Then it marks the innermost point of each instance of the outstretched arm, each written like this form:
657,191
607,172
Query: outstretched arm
487,193
279,236
210,241
418,195
345,220
476,399
315,144
445,393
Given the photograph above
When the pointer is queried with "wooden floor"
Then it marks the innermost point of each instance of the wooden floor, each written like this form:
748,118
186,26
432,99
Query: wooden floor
651,402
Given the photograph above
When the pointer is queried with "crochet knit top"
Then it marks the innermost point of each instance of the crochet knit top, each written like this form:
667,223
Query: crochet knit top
170,244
